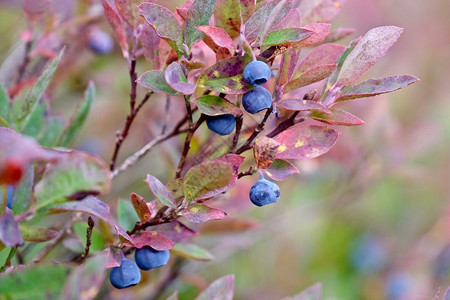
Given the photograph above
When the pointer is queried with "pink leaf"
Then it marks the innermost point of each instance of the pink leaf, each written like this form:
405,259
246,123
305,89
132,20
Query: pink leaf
371,48
90,205
292,20
200,213
320,10
113,257
150,42
373,87
319,33
303,105
9,230
338,117
304,142
124,237
216,37
280,170
175,230
326,54
222,288
312,75
160,191
156,240
117,25
176,79
338,34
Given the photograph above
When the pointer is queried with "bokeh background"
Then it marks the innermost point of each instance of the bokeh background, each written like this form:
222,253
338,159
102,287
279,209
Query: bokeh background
369,220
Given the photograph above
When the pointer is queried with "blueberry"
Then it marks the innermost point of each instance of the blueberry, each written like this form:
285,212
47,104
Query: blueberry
264,192
10,190
223,124
398,285
368,254
256,100
257,73
100,43
127,274
148,258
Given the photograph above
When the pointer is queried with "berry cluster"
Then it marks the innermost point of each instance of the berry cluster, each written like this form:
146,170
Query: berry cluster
128,273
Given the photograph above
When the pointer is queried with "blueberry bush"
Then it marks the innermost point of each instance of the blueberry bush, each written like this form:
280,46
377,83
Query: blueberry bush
267,77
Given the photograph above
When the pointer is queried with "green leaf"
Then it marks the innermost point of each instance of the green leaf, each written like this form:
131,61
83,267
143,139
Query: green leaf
97,240
154,80
38,282
5,107
228,15
32,99
222,288
165,24
214,106
126,214
36,234
207,177
52,132
36,121
285,36
198,14
192,251
76,175
78,117
160,191
22,192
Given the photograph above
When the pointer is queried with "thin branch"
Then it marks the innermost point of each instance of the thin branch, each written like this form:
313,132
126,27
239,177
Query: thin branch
255,133
91,224
237,133
249,172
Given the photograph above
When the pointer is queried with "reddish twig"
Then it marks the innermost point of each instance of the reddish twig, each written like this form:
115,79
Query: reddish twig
258,129
91,224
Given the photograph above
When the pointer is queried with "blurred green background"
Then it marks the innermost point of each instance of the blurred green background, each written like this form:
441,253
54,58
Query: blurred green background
369,220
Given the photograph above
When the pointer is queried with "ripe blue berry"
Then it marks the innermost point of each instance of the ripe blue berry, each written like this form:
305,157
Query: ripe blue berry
223,124
256,100
127,274
100,43
9,202
148,258
264,192
257,73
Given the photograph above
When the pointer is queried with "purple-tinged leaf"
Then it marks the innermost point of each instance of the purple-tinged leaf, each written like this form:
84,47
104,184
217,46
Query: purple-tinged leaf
226,226
36,234
282,8
214,106
319,33
280,170
373,87
89,205
228,15
150,42
312,293
286,37
175,231
287,66
128,11
165,24
200,213
312,75
192,251
320,10
292,20
305,142
216,38
260,19
154,80
140,206
117,25
181,12
160,191
371,48
265,150
226,76
206,178
10,234
234,161
338,34
447,294
156,240
114,257
198,14
176,79
338,117
124,237
326,54
220,289
176,188
304,105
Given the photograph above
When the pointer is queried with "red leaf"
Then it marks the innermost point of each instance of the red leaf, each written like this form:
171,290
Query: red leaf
124,237
156,240
9,230
141,208
303,105
373,87
200,213
304,142
117,25
176,79
90,205
292,20
287,66
319,33
150,42
114,257
320,10
128,10
312,75
160,191
280,170
175,230
216,37
338,34
264,150
326,54
338,117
